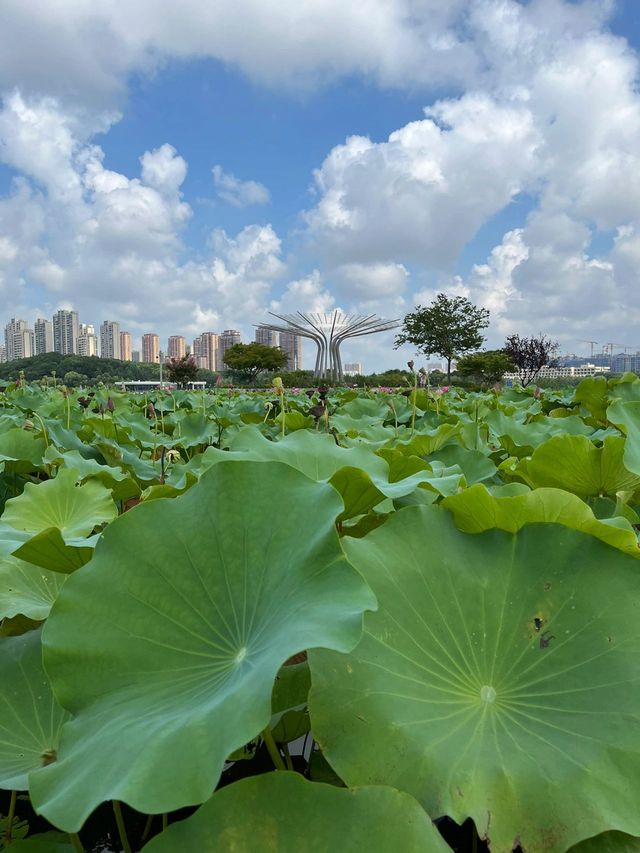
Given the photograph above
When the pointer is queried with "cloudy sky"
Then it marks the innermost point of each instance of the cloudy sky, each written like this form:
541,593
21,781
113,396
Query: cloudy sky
183,167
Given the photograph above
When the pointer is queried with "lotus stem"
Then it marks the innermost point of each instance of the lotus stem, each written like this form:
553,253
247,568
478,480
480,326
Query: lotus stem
274,752
44,429
147,827
122,829
10,816
165,821
75,842
287,756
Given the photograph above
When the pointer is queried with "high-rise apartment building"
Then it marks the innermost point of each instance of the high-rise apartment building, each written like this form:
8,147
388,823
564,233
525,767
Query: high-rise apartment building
150,348
226,340
110,339
43,336
18,340
176,347
135,355
205,351
267,337
3,353
65,332
87,340
125,346
292,345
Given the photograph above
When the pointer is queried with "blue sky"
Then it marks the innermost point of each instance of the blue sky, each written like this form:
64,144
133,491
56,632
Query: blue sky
517,188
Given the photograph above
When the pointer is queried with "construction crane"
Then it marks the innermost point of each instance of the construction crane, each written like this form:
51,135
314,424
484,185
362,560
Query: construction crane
612,345
592,345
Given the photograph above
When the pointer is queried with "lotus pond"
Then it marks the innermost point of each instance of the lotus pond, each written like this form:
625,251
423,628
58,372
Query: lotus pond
323,621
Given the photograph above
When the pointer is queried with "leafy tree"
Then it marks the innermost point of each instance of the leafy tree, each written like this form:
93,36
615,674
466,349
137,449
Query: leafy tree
72,378
488,366
181,370
449,327
251,359
530,355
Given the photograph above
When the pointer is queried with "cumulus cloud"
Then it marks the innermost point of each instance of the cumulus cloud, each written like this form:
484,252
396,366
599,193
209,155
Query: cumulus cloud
236,192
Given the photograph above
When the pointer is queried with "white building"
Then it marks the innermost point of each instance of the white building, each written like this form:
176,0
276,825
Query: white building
65,332
43,336
110,339
352,368
564,372
87,340
18,340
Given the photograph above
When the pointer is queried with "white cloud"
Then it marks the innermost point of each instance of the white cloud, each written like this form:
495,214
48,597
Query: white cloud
236,192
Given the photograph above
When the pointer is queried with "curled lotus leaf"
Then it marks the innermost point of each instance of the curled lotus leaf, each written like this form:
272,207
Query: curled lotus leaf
30,716
186,612
289,814
608,842
476,509
48,524
498,679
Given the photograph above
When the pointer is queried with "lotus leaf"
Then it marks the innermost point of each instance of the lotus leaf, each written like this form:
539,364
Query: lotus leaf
290,815
627,415
186,613
21,451
43,842
27,589
497,681
608,842
48,523
476,510
30,717
575,464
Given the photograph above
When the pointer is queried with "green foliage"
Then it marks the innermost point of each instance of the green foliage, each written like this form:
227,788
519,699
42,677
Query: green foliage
488,366
449,327
249,360
96,369
203,564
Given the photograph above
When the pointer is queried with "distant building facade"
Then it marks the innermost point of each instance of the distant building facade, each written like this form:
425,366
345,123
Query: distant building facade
176,347
225,341
353,368
18,340
125,346
205,351
136,356
267,337
87,340
110,339
150,348
292,346
43,336
65,332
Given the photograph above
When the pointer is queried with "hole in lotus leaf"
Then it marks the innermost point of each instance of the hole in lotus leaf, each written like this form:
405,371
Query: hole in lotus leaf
537,622
547,586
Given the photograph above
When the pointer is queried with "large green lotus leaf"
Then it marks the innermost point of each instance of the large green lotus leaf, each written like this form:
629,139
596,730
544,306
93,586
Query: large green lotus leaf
499,679
21,451
30,716
283,813
122,486
361,477
476,510
574,463
48,524
592,392
166,646
27,589
608,842
627,416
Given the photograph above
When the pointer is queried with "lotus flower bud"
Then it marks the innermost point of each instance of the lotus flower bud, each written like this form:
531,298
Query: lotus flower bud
410,364
28,425
151,411
110,405
172,455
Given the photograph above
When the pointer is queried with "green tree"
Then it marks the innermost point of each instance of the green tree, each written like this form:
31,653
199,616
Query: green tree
449,327
181,370
249,360
488,366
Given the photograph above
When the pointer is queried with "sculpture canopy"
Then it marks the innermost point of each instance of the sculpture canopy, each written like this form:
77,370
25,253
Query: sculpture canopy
329,331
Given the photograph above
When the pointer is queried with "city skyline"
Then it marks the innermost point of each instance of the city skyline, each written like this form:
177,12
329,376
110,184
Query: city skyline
65,334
